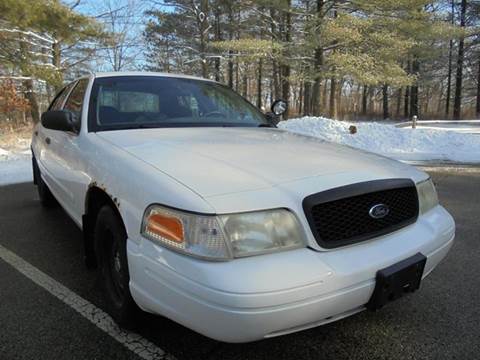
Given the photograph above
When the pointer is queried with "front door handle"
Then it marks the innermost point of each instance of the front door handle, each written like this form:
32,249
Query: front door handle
47,140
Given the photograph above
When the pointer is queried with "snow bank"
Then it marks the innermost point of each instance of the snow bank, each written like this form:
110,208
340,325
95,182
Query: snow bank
16,170
15,167
4,154
404,144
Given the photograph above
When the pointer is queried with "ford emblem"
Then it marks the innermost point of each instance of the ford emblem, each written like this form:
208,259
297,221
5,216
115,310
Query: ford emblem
378,211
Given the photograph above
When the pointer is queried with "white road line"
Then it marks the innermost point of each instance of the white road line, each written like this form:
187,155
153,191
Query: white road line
134,342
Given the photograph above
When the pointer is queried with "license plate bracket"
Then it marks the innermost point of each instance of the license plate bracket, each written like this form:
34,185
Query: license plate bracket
397,280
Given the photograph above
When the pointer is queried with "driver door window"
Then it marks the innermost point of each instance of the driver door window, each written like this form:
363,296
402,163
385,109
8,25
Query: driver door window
75,100
60,98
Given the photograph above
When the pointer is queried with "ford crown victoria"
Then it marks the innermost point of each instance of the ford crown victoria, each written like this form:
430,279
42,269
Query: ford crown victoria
194,206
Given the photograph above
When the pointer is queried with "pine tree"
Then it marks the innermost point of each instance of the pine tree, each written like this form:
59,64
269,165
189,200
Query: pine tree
319,51
32,36
457,105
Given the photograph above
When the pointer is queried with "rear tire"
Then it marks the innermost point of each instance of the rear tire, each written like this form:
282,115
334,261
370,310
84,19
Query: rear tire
46,197
110,239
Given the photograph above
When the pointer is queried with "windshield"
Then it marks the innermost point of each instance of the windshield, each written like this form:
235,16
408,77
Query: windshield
130,102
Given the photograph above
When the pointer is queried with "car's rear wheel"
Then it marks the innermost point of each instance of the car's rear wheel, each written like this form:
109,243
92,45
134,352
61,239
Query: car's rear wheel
110,240
46,197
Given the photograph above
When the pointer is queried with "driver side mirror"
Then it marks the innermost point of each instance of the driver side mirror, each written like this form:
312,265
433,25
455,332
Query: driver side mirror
62,120
279,107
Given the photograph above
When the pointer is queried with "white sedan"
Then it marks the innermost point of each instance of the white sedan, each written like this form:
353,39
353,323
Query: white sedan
194,206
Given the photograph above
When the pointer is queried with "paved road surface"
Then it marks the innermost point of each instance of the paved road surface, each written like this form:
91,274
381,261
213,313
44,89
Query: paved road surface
442,321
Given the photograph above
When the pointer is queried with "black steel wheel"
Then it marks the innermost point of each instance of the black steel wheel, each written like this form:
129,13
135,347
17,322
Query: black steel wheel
110,241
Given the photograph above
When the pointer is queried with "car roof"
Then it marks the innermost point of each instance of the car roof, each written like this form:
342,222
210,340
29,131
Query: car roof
146,73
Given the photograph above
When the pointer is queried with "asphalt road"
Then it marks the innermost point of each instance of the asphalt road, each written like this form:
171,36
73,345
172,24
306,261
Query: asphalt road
441,321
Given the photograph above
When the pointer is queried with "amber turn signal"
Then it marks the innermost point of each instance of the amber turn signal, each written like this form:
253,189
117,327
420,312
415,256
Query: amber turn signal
165,226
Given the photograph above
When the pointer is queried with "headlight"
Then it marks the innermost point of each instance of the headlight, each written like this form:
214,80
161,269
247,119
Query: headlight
223,237
427,195
262,232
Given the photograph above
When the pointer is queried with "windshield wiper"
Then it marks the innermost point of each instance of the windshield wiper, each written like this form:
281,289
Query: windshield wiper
266,125
131,127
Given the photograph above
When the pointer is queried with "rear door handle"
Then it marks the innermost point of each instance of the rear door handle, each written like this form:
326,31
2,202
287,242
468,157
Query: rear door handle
47,140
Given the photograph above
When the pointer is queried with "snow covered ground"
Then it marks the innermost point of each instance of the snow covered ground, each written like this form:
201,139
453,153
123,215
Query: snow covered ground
15,167
462,126
15,156
405,144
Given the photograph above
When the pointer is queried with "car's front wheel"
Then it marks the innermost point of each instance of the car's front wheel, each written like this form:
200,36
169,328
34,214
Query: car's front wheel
110,240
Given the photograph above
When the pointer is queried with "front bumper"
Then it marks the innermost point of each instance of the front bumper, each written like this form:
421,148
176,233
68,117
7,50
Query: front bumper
264,296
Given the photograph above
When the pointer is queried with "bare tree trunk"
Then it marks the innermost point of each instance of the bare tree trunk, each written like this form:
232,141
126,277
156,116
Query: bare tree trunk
338,94
478,92
406,105
300,99
406,110
414,101
285,68
259,84
316,91
306,98
318,65
457,105
218,37
449,73
399,102
371,100
28,84
57,61
32,99
364,100
237,76
386,114
166,62
286,82
427,95
230,52
276,84
294,107
202,20
324,96
357,100
333,98
414,90
275,67
245,82
230,70
439,103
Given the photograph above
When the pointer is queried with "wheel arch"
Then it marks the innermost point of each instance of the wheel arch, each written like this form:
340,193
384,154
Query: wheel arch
95,199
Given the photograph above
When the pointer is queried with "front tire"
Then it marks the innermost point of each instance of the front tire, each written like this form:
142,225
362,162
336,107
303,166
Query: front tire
110,239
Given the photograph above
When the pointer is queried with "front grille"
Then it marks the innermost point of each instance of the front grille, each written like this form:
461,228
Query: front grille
341,216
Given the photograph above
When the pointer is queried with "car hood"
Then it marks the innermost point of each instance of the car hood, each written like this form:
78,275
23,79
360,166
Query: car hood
218,161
